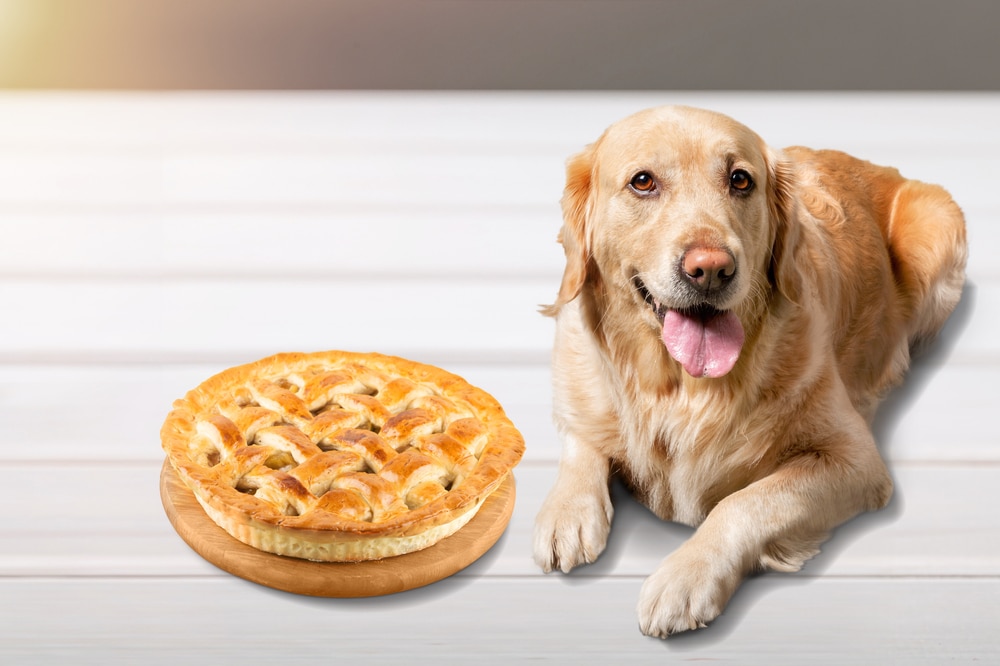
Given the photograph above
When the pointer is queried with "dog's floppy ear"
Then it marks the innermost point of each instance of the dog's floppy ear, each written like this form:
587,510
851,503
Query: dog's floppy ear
574,235
781,205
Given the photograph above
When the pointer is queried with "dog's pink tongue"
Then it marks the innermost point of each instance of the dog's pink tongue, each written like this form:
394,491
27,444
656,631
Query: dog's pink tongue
706,347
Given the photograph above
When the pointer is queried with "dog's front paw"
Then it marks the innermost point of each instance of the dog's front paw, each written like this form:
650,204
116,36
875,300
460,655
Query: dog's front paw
686,592
572,528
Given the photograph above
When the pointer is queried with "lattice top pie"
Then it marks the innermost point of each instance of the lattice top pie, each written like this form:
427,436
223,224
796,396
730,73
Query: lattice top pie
337,456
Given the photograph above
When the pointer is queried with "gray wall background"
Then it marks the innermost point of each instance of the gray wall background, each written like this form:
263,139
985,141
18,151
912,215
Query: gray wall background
501,44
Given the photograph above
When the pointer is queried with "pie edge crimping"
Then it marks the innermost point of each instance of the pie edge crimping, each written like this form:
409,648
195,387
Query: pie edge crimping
318,535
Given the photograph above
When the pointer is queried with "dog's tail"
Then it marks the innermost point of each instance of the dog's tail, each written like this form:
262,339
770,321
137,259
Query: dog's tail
927,242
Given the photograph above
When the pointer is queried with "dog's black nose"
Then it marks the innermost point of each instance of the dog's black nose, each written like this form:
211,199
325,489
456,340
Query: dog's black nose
708,269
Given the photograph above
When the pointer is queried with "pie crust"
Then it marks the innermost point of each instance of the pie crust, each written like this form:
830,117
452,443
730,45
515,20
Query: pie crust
339,456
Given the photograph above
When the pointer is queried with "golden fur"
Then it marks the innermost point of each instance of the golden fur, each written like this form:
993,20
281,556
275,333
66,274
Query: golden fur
842,268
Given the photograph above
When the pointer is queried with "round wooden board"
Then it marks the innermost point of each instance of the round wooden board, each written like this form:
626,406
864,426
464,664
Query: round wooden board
335,579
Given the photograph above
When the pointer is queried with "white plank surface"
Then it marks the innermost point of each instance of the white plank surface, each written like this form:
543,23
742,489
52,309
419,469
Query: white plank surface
942,518
151,240
910,425
157,621
185,318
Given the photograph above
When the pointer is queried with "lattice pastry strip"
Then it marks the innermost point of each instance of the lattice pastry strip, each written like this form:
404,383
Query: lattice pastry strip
338,456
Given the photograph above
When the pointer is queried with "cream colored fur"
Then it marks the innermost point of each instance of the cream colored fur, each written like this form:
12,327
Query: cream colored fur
842,266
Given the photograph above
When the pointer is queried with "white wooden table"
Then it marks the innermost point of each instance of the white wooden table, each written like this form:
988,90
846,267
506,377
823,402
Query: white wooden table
148,241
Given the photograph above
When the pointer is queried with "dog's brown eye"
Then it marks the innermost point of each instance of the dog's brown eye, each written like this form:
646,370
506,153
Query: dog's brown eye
740,180
642,182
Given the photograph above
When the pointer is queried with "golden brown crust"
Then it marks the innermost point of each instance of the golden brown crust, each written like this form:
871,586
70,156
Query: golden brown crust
340,456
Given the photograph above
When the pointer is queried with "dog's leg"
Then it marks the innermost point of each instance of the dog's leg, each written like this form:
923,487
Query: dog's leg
777,522
573,525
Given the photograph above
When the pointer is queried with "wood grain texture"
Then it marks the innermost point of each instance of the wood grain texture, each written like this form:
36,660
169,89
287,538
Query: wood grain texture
139,240
909,426
941,522
773,621
335,579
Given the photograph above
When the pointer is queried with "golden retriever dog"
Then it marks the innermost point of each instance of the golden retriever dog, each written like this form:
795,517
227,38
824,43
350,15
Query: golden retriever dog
729,318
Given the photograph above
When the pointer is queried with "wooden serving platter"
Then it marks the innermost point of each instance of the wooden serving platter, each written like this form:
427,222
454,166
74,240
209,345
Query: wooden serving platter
335,579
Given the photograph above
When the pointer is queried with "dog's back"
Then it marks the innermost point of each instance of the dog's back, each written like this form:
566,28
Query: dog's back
918,277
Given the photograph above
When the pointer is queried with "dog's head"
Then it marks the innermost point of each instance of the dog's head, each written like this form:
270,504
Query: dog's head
680,216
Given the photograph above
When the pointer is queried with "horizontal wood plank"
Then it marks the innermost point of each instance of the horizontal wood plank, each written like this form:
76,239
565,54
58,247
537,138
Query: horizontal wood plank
335,241
342,242
396,178
107,519
771,621
250,318
184,319
955,121
91,423
89,429
338,179
89,426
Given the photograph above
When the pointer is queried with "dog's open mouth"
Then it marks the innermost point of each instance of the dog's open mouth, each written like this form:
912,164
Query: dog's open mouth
706,341
703,311
658,308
